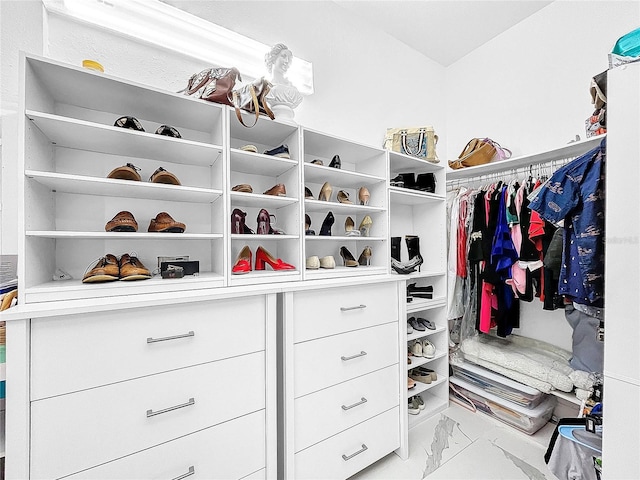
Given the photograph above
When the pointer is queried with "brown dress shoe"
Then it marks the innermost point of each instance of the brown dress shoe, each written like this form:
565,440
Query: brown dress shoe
278,190
162,176
106,270
128,172
164,223
122,222
132,269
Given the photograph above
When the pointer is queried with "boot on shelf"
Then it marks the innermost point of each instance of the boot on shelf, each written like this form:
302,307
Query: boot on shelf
413,247
395,247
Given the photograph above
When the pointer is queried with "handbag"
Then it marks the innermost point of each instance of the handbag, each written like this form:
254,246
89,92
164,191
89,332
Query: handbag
476,152
416,141
252,98
213,84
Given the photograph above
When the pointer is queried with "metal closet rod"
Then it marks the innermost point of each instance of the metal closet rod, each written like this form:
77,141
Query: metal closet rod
535,170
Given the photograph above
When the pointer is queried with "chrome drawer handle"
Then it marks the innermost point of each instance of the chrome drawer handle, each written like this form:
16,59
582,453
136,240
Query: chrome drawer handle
151,413
363,449
173,337
191,471
346,309
362,400
361,354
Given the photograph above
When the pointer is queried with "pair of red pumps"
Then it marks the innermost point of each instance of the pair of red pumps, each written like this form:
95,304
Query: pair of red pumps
243,262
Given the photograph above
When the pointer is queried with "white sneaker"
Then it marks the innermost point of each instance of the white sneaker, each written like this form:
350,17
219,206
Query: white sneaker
409,328
416,349
428,349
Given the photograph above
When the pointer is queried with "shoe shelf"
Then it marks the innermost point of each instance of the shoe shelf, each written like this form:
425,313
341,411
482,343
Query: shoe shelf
338,177
405,196
342,239
342,208
108,187
422,273
258,200
433,405
344,272
259,164
418,361
417,334
95,137
420,304
265,135
252,237
400,163
124,235
74,289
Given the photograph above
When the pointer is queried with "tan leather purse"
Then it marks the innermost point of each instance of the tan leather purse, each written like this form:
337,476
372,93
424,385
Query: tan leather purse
477,152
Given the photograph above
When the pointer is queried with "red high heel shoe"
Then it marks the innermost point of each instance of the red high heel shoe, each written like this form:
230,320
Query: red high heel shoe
263,256
243,262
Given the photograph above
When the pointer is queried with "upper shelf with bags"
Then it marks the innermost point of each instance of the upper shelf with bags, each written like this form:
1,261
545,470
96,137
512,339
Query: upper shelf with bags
79,94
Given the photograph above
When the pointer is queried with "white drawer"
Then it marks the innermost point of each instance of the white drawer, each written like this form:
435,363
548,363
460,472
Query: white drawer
334,409
318,313
379,435
83,351
70,433
224,451
331,360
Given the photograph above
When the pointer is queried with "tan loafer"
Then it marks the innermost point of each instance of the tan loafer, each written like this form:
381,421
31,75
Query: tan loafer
165,223
123,222
106,270
132,269
127,172
162,176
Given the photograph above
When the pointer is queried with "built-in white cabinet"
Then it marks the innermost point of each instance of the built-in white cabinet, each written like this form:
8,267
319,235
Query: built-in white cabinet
340,379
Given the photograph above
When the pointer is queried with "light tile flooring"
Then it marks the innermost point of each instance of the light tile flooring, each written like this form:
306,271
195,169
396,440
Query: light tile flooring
460,444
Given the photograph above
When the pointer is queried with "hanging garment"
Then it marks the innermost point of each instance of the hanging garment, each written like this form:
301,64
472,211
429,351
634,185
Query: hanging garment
576,193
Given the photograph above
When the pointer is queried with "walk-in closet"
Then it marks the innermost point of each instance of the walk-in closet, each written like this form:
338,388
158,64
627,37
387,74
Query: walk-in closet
330,240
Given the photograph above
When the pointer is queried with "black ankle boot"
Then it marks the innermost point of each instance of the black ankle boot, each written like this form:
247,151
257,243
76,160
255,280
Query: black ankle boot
409,180
395,247
327,224
426,182
413,247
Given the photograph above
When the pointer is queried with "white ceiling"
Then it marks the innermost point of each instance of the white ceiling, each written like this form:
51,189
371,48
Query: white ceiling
443,30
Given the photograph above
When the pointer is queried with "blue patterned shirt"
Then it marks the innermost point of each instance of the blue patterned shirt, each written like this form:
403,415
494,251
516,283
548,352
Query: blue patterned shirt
576,194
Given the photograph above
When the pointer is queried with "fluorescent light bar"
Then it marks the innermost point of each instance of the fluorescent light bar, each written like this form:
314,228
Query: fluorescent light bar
168,27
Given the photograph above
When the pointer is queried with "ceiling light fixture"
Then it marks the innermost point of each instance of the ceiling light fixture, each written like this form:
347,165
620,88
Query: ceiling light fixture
168,27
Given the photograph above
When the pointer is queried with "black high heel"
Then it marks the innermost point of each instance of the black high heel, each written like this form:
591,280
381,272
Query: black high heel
347,258
336,162
327,224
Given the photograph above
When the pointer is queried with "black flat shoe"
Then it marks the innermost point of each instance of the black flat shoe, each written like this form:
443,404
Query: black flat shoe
327,224
335,162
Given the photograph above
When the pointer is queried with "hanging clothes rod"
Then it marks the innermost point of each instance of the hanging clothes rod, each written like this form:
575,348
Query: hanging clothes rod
563,155
540,170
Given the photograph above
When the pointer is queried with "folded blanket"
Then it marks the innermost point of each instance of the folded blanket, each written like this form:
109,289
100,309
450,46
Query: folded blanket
532,362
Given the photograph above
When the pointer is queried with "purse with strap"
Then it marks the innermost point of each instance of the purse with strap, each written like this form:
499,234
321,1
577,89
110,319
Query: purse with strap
476,152
213,84
252,98
415,141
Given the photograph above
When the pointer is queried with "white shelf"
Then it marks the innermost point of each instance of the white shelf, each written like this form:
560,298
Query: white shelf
422,274
266,132
406,196
95,137
326,238
406,163
343,272
433,405
417,334
259,164
324,147
419,304
338,177
259,200
84,185
265,276
252,237
122,235
75,289
340,208
423,387
418,361
568,151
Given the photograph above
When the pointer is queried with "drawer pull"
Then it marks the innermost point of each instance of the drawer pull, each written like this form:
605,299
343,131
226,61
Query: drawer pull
363,400
173,337
346,309
361,354
363,449
151,413
191,471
